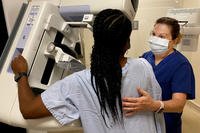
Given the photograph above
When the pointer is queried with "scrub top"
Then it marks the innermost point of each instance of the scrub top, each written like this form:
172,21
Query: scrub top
174,74
74,97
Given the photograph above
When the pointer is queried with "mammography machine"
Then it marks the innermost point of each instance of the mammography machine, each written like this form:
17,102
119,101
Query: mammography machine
48,35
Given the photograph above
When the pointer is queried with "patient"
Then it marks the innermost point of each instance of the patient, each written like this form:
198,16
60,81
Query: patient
94,95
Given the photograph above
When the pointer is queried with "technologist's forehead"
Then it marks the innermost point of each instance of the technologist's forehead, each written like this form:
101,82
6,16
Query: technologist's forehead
162,29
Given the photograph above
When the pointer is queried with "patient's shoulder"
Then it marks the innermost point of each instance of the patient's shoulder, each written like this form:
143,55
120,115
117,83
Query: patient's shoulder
139,63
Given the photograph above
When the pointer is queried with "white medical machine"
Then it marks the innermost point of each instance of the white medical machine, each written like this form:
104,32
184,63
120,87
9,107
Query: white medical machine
48,35
189,19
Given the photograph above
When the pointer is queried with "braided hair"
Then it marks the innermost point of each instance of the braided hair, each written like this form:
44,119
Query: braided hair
111,31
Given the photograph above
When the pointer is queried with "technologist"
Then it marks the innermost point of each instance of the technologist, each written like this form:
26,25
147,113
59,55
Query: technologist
173,72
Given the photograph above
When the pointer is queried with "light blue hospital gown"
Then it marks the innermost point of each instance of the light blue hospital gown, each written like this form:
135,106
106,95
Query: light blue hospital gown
73,98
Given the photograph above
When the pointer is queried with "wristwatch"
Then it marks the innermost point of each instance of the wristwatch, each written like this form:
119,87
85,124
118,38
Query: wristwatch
19,75
161,107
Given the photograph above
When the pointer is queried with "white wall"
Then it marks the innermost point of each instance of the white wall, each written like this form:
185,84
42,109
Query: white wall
193,56
191,115
88,42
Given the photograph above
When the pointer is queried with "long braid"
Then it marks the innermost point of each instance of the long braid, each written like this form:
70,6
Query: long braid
111,31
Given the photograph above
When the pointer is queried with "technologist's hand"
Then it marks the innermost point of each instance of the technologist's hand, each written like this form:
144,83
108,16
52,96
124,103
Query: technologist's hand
19,64
132,105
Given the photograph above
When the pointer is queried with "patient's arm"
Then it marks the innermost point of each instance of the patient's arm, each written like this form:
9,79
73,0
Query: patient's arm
31,106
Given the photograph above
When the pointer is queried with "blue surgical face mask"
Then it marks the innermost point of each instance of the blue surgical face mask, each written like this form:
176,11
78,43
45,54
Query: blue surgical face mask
158,45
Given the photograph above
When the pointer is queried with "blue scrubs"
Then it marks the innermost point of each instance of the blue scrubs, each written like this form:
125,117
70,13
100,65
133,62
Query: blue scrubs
174,74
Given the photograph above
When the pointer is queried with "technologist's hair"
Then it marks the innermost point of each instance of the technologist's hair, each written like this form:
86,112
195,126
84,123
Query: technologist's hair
172,23
111,31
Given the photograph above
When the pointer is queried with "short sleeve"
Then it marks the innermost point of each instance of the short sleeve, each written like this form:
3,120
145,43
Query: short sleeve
58,99
183,80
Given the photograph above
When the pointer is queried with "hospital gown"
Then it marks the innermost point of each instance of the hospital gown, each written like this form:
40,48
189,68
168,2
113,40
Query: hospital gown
74,97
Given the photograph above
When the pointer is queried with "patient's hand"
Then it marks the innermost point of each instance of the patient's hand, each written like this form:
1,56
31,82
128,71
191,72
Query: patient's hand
132,105
19,64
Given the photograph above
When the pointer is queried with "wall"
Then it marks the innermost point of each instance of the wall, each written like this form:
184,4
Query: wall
193,56
88,42
191,115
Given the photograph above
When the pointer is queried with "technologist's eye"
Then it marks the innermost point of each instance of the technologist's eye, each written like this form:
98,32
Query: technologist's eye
162,36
